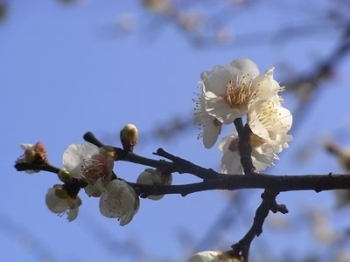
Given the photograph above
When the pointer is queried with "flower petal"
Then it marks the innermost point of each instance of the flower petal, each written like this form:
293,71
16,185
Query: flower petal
73,214
243,66
211,131
75,154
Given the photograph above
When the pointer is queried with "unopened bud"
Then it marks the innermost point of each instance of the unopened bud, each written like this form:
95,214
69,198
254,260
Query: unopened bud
41,153
152,176
128,137
64,175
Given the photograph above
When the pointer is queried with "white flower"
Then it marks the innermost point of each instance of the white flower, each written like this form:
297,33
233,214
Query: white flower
229,91
150,177
74,156
205,256
269,123
119,200
262,154
97,188
210,125
97,171
59,202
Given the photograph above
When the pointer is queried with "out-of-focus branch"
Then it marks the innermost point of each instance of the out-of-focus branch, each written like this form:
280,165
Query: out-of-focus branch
241,248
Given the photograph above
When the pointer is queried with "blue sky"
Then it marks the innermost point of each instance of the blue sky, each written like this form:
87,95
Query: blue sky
63,73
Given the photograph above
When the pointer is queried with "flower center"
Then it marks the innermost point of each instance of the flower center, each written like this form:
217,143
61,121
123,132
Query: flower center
92,170
239,93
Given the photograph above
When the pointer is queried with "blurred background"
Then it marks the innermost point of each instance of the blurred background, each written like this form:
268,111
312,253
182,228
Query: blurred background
70,66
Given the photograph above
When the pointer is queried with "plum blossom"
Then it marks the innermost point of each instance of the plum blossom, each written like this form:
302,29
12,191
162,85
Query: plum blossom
229,91
59,202
119,200
74,156
152,176
86,161
33,154
262,156
269,123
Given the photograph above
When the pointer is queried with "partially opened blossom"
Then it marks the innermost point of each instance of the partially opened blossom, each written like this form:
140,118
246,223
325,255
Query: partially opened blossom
210,126
97,171
262,154
119,200
74,156
270,121
60,202
33,154
86,161
229,90
152,176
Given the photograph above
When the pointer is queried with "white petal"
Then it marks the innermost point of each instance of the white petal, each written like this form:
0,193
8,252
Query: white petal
216,80
148,177
54,203
205,256
218,108
231,163
284,121
262,159
26,146
72,214
95,189
126,218
211,131
265,83
257,127
75,154
119,200
244,66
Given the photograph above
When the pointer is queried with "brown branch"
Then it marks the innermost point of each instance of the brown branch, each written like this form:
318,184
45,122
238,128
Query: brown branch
233,182
244,147
285,183
177,165
241,248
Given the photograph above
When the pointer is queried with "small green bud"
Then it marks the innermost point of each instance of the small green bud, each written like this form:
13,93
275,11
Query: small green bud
64,175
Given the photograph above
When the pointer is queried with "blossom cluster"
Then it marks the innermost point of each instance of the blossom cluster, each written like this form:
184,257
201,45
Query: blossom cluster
90,167
240,90
227,93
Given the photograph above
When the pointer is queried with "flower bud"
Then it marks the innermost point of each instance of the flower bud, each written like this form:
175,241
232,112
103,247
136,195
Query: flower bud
150,177
64,175
128,137
33,154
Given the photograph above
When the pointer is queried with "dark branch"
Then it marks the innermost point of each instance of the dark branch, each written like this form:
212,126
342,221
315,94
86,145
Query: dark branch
269,203
244,147
177,165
